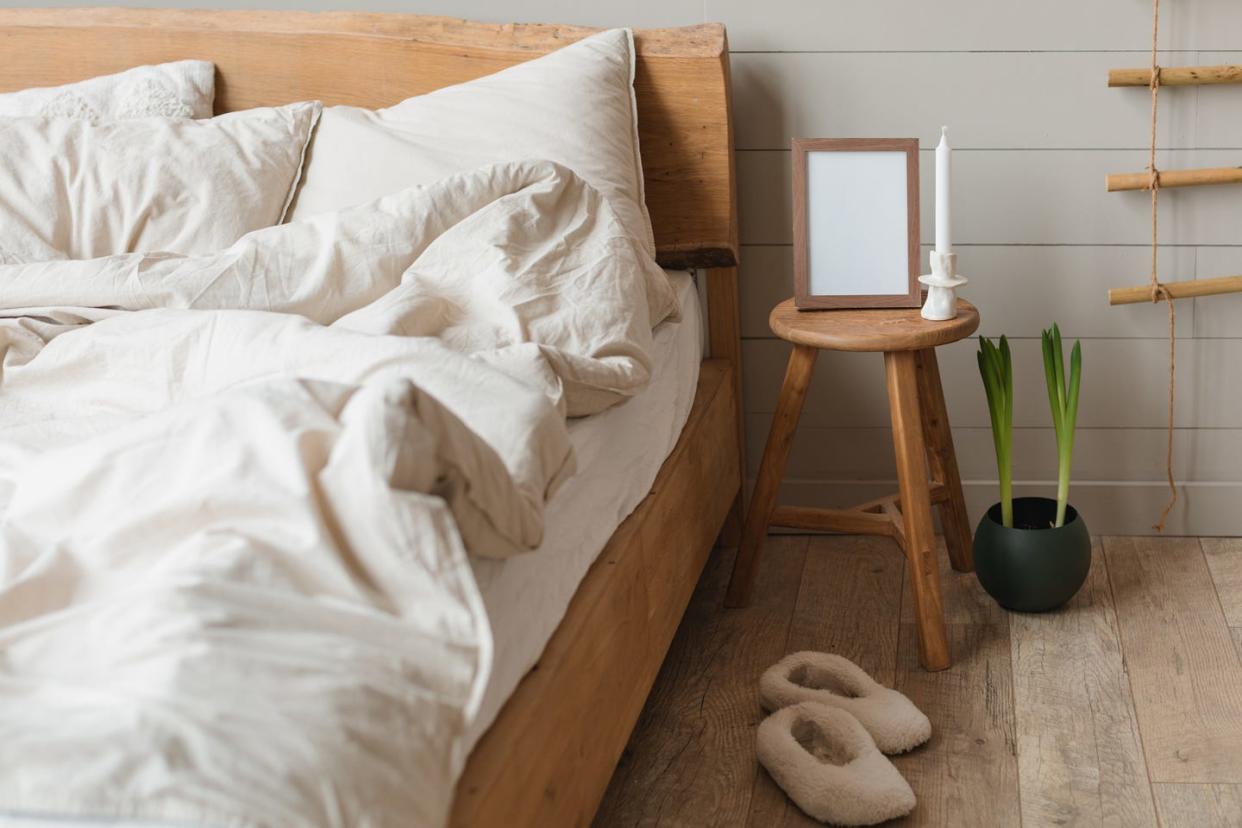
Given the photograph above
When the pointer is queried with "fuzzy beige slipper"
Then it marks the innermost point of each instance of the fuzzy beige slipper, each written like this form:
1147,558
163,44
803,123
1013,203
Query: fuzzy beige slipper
893,721
829,766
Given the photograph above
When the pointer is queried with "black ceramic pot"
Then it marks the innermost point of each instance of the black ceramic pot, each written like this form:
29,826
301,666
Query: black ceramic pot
1032,567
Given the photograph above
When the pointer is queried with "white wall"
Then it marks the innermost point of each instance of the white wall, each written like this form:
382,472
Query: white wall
1022,85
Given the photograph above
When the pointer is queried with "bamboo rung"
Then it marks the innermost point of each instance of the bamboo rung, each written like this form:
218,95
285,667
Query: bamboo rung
1174,178
1177,75
1178,290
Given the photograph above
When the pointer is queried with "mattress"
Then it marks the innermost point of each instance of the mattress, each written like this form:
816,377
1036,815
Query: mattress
619,452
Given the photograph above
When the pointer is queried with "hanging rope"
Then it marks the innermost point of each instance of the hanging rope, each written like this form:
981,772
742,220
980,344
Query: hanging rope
1158,290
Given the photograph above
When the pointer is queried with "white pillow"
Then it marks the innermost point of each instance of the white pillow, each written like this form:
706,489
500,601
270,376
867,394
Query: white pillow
183,89
574,106
73,189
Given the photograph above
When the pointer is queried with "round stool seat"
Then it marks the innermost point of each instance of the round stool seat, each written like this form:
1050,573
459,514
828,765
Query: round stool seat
873,329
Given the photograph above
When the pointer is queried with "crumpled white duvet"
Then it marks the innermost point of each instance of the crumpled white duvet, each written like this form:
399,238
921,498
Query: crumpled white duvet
237,491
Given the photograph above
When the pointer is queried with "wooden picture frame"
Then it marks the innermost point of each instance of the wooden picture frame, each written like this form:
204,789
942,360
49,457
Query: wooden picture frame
873,260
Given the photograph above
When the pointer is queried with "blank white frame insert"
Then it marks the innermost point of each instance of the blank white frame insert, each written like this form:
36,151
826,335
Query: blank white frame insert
858,245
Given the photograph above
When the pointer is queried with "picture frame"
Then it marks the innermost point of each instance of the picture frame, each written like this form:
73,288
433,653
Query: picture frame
856,223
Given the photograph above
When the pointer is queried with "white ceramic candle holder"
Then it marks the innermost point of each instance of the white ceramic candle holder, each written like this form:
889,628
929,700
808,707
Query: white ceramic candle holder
942,286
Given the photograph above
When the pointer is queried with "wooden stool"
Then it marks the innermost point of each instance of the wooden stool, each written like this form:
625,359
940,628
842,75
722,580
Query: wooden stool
920,430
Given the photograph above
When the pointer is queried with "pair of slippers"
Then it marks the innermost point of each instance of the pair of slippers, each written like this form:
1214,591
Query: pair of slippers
825,741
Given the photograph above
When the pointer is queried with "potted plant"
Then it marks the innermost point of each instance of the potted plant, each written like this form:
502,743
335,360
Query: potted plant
1032,553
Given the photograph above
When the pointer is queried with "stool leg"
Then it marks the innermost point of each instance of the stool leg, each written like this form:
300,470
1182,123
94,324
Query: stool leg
771,469
903,404
943,461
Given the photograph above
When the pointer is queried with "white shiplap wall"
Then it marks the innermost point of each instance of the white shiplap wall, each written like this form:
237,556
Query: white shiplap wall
1022,86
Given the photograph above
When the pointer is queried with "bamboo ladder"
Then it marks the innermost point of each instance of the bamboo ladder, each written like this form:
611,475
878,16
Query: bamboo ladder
1153,179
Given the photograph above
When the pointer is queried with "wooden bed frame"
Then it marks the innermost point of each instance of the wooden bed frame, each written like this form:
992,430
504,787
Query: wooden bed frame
548,758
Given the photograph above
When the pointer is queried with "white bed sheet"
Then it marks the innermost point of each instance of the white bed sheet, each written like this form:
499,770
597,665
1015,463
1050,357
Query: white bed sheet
619,451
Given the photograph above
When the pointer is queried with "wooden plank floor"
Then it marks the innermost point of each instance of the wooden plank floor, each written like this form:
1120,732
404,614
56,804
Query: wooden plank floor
1122,709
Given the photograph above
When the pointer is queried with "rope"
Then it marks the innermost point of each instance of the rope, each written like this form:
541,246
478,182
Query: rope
1158,290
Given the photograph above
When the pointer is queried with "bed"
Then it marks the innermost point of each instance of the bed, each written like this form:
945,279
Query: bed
621,607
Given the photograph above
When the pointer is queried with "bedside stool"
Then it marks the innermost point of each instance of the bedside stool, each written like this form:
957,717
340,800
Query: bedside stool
921,440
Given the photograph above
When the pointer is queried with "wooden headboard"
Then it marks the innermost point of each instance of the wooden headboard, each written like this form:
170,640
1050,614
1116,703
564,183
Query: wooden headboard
266,58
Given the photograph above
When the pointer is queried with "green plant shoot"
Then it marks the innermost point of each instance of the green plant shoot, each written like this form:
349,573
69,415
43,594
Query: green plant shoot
996,368
1063,397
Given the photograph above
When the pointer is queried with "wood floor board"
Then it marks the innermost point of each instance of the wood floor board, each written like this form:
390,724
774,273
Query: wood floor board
691,759
1184,668
1224,560
964,600
967,774
1121,710
1080,757
1199,806
849,604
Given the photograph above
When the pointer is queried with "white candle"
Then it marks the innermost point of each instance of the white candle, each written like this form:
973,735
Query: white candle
944,187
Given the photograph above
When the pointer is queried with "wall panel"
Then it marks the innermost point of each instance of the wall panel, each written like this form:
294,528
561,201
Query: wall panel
1023,89
1205,455
1023,196
971,25
1124,384
636,13
1022,289
1109,508
1035,100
